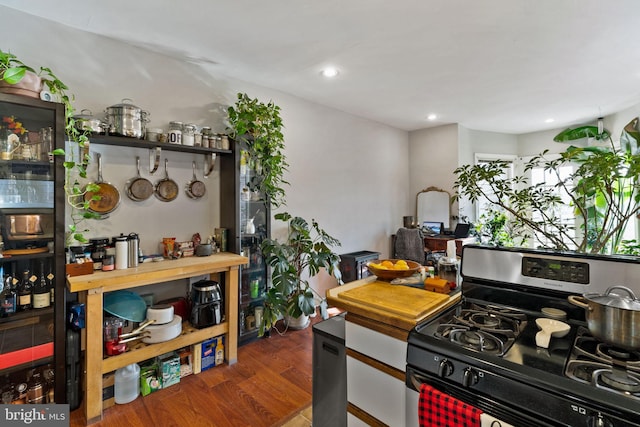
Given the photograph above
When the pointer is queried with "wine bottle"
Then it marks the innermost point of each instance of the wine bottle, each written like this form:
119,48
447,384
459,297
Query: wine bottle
8,296
41,294
51,283
24,292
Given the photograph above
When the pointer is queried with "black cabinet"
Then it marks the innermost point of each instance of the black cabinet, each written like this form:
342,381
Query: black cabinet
246,215
353,265
32,205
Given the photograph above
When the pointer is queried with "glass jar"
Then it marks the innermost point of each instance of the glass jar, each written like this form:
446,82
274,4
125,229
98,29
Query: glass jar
225,142
188,134
206,134
175,133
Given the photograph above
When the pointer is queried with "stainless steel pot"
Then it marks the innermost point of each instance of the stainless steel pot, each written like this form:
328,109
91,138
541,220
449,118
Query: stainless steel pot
87,121
126,119
612,318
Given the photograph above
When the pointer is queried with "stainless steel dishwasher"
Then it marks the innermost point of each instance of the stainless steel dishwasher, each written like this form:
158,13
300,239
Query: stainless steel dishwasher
329,373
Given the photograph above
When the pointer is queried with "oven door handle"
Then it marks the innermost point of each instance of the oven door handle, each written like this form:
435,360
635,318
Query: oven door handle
417,380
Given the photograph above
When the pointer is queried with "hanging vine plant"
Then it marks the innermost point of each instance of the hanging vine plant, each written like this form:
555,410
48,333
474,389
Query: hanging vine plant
258,126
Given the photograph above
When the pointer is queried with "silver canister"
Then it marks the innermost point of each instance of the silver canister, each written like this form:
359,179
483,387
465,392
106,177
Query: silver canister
175,133
133,241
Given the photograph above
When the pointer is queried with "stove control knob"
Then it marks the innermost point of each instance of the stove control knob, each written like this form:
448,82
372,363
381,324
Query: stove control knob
445,368
469,377
599,421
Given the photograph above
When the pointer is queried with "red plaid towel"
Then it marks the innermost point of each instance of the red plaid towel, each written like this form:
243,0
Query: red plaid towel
438,409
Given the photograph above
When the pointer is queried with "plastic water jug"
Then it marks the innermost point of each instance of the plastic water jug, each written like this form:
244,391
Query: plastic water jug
127,383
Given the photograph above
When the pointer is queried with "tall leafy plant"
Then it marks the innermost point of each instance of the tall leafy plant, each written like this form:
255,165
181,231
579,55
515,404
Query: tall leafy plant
12,71
306,249
259,126
603,190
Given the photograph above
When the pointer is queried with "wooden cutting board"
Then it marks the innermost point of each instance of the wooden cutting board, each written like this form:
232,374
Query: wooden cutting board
404,301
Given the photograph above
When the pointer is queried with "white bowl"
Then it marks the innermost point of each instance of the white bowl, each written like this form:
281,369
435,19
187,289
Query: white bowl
550,328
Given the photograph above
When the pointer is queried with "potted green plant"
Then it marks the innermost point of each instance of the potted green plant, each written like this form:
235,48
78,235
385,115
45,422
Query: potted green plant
14,72
603,190
306,249
257,127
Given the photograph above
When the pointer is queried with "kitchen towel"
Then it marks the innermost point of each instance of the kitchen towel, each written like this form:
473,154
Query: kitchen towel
437,409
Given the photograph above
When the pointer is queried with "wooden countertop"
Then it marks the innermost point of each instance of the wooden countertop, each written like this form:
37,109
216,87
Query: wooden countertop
155,272
378,314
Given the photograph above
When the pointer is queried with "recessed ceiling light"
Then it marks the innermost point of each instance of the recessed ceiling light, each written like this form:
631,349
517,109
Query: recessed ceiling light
329,72
432,117
549,121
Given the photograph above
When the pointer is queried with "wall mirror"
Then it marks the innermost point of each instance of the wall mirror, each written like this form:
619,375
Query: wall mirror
433,204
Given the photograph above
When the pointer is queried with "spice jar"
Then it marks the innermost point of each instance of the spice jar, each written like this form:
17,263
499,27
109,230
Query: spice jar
175,133
206,134
188,134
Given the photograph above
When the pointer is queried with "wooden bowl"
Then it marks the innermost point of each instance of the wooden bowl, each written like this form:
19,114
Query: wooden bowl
389,275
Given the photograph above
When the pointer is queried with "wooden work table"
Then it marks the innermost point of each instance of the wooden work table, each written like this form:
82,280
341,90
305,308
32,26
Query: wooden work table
93,286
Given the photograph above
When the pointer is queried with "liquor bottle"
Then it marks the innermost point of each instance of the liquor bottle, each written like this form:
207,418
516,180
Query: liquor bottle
41,294
24,292
8,296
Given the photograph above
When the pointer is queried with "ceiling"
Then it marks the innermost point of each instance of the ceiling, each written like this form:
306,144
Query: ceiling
494,65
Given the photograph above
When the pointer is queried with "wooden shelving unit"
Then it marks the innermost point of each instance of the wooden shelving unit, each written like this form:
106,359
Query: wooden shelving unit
93,286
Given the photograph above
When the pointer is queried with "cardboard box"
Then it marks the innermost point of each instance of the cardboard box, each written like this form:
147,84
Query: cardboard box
212,353
186,361
150,381
169,366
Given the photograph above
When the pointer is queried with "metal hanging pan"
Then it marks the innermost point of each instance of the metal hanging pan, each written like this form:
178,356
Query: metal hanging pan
166,189
109,196
195,188
139,189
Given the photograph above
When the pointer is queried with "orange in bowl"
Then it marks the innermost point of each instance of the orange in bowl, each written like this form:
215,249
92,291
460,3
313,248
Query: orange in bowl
390,269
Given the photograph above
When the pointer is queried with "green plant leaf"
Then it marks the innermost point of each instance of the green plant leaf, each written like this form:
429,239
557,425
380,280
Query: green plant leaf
14,75
580,133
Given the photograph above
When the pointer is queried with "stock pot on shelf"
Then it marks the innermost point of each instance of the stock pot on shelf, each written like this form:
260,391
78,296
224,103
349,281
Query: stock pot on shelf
126,119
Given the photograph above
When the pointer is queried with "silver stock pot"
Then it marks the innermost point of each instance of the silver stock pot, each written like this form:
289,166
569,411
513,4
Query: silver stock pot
125,119
612,318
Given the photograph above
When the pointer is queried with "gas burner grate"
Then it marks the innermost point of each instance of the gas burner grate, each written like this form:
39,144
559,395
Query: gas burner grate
603,366
483,328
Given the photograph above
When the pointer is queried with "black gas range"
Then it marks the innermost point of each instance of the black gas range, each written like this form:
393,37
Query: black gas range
483,350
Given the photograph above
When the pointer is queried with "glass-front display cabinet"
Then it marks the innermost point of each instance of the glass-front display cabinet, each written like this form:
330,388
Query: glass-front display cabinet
248,226
32,292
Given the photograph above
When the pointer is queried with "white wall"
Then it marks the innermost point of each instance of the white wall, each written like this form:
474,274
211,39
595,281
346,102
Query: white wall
344,171
433,156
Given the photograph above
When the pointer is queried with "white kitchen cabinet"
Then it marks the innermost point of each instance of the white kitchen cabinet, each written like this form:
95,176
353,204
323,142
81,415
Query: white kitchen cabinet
386,349
375,392
375,375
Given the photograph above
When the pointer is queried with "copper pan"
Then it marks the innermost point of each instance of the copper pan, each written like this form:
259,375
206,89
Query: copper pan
106,199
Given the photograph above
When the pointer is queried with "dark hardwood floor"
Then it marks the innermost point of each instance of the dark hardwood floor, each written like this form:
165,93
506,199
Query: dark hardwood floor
269,385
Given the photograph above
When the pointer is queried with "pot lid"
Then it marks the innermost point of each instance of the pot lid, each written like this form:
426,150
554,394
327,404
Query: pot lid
85,115
126,102
615,297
